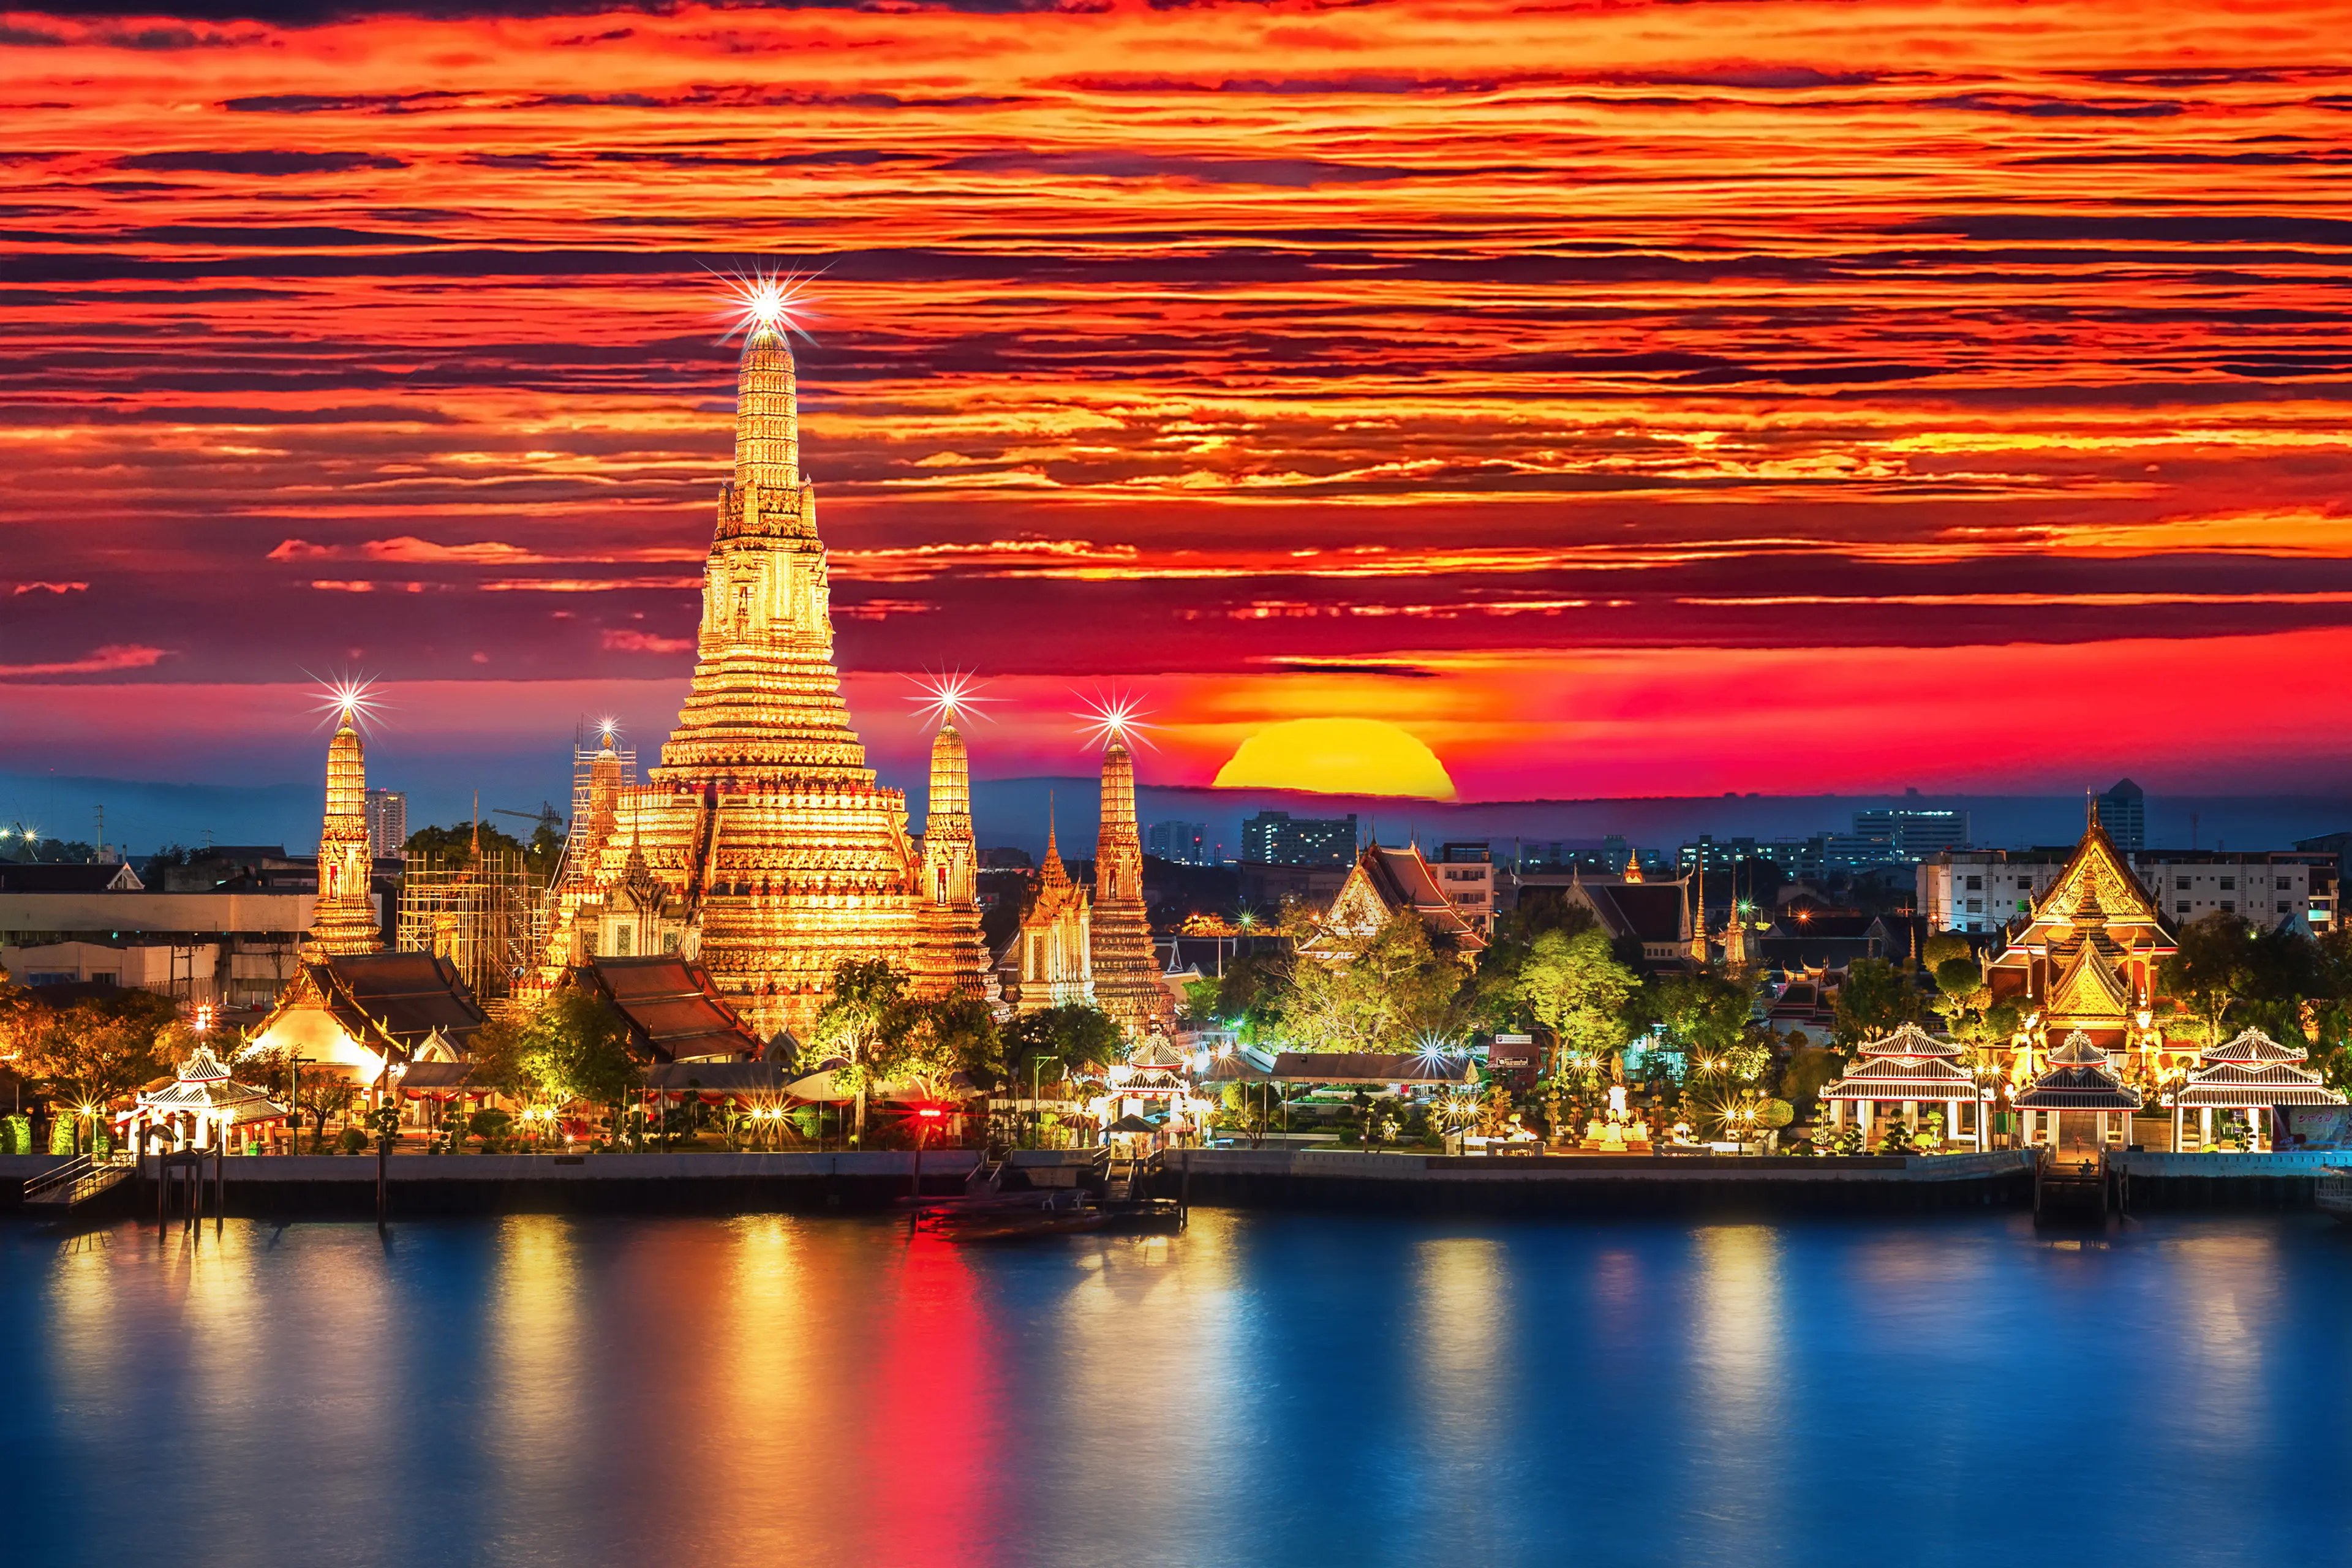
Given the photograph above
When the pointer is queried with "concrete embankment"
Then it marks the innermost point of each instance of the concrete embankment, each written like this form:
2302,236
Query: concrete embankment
1595,1184
2286,1181
338,1187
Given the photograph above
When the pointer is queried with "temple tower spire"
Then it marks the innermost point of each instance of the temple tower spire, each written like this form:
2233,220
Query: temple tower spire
767,415
1126,972
343,917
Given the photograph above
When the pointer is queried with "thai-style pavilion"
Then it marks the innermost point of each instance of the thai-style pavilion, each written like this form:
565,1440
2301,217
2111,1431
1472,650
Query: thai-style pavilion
2079,1104
202,1106
1909,1069
2086,960
2247,1074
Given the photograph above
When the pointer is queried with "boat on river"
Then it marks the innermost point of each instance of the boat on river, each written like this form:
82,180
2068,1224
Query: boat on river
1009,1216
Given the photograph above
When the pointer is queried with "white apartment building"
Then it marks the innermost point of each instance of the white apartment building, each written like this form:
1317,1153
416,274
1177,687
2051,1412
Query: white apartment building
1984,890
1466,873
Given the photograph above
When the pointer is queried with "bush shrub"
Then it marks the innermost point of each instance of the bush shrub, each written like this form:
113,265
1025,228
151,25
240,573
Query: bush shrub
353,1141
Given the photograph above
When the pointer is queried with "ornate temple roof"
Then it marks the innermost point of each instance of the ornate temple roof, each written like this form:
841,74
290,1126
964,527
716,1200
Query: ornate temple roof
205,1087
397,999
2253,1045
2095,904
2238,1085
1386,881
2078,1089
1910,1040
673,1011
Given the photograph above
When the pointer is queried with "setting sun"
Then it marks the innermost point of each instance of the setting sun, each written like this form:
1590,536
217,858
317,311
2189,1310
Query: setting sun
1338,756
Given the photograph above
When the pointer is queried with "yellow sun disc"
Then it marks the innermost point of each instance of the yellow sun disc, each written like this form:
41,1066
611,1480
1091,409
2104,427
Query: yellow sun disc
1338,756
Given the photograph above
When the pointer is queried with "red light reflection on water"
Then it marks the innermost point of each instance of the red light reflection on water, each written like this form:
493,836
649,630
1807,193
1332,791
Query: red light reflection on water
933,1423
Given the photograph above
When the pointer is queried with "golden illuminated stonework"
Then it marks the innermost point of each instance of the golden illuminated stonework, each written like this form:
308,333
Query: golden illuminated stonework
1126,973
343,920
761,833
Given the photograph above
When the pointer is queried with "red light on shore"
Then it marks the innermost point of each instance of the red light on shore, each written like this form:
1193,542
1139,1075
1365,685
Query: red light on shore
929,1112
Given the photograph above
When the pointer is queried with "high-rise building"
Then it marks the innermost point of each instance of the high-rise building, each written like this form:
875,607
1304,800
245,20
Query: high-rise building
1279,838
2123,812
1186,843
387,822
1903,833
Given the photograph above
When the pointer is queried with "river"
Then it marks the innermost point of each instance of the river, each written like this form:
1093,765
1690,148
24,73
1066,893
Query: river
1261,1389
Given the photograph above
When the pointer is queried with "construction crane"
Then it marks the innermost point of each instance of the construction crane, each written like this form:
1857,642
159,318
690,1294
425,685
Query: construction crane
547,817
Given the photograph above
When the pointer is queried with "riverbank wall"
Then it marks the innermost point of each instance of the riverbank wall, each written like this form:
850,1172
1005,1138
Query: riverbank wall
1594,1185
331,1186
344,1187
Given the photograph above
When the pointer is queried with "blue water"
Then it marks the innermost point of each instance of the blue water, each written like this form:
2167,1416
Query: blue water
1259,1390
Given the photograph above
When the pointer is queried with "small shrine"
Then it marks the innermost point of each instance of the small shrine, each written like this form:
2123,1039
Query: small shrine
2249,1073
204,1105
2080,1104
1907,1069
1622,1133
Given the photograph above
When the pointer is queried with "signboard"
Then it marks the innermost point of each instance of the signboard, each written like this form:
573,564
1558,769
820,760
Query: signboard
1512,1059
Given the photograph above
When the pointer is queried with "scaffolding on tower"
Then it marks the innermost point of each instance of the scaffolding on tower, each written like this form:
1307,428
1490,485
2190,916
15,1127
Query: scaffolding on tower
481,912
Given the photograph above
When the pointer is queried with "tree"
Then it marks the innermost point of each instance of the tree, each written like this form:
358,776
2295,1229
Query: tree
927,1045
575,1047
1876,999
864,1001
1060,1043
91,1054
1378,993
454,846
1574,986
2213,965
1710,1012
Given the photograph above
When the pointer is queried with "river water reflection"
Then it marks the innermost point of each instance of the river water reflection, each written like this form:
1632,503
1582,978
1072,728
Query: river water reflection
1260,1390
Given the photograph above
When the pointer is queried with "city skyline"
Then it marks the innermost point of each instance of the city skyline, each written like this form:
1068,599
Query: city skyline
1825,400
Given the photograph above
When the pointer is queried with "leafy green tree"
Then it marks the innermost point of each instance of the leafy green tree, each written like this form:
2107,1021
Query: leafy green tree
454,846
1059,1043
1573,984
2212,968
91,1054
1709,1014
1876,997
575,1048
1378,993
866,1002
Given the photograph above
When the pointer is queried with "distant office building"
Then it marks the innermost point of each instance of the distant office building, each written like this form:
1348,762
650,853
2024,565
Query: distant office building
2123,812
1279,838
1186,843
387,822
1903,835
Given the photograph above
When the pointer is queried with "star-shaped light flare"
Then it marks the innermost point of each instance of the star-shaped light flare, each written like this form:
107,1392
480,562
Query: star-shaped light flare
765,299
1116,717
948,696
348,699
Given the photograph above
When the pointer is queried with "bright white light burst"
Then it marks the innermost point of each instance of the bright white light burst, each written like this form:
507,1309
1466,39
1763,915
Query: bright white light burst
1118,717
765,299
348,699
948,696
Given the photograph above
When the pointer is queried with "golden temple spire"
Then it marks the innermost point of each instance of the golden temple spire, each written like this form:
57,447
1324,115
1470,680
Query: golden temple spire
767,414
344,916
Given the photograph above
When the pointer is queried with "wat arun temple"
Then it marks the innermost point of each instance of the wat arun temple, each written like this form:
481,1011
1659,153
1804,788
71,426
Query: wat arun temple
760,845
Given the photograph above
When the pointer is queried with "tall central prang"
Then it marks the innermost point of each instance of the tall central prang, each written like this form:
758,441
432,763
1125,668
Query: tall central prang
762,847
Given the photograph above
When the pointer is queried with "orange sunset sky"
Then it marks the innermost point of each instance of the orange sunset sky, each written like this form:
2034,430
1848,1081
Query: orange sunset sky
1625,399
